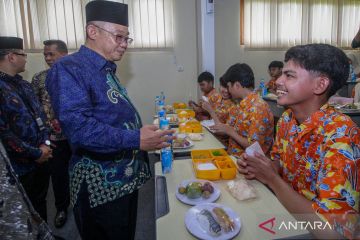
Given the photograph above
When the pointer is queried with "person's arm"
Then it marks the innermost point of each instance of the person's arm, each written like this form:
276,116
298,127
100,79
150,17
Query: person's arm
73,107
207,107
262,169
72,104
15,147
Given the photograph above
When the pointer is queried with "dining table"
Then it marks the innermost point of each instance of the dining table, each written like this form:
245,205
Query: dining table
263,217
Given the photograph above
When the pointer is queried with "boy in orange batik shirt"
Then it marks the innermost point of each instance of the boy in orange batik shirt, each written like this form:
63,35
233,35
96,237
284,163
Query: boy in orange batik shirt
275,68
219,104
314,170
206,84
250,119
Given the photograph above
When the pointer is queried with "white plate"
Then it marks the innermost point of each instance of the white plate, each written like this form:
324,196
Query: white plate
183,198
193,226
189,146
207,124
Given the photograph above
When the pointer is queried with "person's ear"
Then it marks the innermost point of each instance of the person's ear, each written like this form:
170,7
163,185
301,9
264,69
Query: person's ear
322,84
10,57
91,31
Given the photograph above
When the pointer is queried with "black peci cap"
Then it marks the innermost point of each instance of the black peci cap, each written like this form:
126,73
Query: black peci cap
11,43
107,11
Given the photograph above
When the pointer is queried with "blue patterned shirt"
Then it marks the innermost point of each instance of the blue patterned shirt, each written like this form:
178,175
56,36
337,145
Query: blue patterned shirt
96,115
19,131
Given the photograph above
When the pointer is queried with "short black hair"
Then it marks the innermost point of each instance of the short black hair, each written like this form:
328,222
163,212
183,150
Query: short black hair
322,59
223,83
276,64
60,45
242,73
205,76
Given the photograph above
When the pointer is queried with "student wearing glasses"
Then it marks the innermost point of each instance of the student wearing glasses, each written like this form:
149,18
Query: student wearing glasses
22,124
109,143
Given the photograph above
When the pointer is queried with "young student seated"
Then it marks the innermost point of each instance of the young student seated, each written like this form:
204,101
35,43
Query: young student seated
219,104
206,84
314,167
275,71
250,119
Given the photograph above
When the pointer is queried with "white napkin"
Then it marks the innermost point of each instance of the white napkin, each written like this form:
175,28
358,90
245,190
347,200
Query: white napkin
255,147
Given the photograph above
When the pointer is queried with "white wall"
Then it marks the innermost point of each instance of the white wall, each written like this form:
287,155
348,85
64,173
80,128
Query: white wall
227,43
145,74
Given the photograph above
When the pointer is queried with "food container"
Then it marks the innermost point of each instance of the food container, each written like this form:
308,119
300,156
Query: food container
179,105
203,160
213,174
218,152
185,113
227,167
200,154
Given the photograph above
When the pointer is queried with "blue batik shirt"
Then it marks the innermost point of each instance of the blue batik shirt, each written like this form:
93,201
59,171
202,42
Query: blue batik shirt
19,132
97,115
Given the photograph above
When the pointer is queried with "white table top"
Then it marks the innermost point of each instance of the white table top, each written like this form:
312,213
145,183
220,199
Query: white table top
252,212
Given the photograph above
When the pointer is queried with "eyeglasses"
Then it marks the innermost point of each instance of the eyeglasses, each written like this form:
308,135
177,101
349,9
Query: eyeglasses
20,54
118,38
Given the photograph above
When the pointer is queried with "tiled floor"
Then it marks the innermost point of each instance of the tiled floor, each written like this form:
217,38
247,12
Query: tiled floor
145,229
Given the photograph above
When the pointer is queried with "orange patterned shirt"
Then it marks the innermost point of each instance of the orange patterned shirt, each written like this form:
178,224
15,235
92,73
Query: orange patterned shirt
221,106
204,115
319,159
253,120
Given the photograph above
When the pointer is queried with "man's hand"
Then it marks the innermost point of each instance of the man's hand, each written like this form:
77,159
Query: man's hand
242,167
151,138
45,155
260,167
206,106
221,128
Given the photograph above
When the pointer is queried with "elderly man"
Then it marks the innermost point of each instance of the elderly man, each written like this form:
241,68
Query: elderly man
59,163
109,143
22,124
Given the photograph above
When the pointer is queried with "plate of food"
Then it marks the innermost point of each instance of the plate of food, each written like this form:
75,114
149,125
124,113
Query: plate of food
349,108
182,142
197,191
196,136
212,221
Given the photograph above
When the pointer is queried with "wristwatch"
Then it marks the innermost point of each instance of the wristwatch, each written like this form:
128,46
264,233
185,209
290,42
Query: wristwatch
47,143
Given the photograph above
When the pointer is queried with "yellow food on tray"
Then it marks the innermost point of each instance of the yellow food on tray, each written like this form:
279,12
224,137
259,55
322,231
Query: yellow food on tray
179,105
185,113
191,126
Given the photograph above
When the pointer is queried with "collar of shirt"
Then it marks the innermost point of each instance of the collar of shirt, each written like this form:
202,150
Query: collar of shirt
246,102
7,77
310,123
99,61
210,93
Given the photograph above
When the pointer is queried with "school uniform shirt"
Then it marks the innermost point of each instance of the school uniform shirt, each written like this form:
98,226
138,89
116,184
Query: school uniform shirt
101,124
253,120
320,159
19,130
221,106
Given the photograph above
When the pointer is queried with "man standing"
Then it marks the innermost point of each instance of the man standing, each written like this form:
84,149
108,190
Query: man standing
59,163
109,143
22,124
